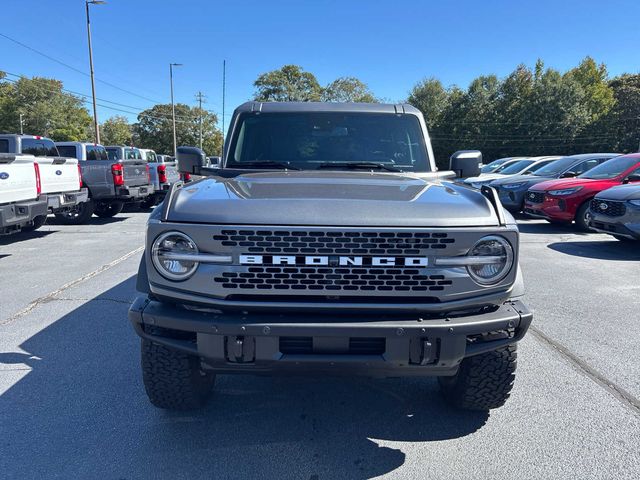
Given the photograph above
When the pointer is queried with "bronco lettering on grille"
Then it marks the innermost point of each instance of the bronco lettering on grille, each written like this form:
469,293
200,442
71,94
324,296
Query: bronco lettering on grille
333,260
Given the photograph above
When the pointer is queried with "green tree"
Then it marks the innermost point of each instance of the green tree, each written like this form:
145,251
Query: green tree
154,129
347,89
288,84
431,98
116,131
619,130
46,109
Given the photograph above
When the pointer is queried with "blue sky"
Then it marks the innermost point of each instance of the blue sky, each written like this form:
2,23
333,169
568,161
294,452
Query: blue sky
390,45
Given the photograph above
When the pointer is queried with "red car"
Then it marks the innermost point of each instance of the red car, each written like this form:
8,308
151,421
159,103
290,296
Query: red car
567,199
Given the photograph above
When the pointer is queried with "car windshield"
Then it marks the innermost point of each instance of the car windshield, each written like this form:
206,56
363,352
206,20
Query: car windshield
555,168
515,167
308,141
538,165
611,168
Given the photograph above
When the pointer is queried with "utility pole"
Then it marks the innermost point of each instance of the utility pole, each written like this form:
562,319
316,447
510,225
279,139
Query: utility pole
21,125
93,83
224,81
200,97
173,108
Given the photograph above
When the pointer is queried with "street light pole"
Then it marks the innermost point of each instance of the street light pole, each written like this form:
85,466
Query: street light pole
93,83
173,108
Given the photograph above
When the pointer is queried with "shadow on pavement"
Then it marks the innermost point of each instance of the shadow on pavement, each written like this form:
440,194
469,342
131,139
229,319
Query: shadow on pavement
536,226
94,220
21,236
601,250
81,412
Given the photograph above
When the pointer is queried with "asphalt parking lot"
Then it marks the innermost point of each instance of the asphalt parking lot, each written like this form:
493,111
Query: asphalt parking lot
72,403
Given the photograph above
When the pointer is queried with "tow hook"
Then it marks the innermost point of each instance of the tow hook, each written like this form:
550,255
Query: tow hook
240,349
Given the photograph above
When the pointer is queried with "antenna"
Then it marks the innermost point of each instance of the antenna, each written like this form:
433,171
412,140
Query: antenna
200,97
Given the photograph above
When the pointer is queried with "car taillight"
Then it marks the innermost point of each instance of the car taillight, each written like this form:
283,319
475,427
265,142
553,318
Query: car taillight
148,174
80,175
118,174
162,173
185,176
38,184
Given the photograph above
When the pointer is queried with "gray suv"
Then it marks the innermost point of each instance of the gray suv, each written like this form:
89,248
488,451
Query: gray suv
328,243
616,211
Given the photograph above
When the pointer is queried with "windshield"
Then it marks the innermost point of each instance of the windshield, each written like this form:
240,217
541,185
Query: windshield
515,167
538,165
611,168
555,168
308,141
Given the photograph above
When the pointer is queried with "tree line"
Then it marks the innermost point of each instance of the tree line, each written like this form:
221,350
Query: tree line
539,111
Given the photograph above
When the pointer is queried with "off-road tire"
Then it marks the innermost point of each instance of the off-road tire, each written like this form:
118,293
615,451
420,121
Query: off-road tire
108,210
582,222
483,381
38,221
174,380
80,215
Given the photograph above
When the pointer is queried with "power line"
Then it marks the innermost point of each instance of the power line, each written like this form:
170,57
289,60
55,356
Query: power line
66,65
200,97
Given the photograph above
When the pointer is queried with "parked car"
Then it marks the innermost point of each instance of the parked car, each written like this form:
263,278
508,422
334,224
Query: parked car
566,200
520,167
492,166
60,177
512,190
22,204
112,178
616,211
163,172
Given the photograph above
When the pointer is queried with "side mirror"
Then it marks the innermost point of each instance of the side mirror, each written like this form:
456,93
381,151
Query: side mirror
634,177
569,174
466,163
190,160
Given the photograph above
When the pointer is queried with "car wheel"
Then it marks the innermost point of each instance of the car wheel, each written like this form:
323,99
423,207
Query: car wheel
79,215
483,381
174,380
108,210
583,216
37,222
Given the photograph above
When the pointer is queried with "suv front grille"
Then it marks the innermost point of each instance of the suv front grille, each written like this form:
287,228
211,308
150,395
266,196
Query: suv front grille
608,207
337,243
336,279
356,346
535,197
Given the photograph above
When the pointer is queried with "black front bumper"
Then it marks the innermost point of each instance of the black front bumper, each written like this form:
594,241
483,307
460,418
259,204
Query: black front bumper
386,346
17,215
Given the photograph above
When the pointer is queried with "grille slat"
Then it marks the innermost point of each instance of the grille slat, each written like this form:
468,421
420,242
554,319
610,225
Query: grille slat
535,197
609,208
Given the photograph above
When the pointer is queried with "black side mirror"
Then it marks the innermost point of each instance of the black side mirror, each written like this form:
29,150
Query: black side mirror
569,174
466,163
634,177
190,160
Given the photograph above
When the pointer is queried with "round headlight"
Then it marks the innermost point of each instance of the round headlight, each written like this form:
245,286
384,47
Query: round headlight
170,255
493,258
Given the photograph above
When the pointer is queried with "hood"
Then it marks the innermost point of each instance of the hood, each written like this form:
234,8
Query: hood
563,183
484,178
621,192
331,198
531,179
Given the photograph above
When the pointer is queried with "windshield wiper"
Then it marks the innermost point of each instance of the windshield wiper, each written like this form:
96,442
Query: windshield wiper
263,164
358,165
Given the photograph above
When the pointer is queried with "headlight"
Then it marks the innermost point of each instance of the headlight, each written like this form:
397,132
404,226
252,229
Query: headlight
490,260
566,191
170,255
513,186
635,202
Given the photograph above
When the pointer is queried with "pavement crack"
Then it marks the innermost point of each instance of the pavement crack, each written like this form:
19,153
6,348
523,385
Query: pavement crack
623,396
54,295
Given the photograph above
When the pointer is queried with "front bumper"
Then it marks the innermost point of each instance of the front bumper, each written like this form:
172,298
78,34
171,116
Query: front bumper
17,215
512,200
552,208
627,225
133,194
57,202
373,346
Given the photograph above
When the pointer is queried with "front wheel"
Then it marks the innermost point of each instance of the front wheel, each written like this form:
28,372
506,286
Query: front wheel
174,380
583,216
79,215
483,381
108,210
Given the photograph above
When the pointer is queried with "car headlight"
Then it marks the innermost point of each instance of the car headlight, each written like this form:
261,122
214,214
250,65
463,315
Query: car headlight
490,260
513,186
565,191
170,254
635,202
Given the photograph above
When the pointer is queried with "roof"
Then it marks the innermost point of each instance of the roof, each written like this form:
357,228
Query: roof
276,107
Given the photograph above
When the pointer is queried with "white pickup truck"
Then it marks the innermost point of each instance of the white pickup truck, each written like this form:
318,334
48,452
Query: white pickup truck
163,171
22,204
60,177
